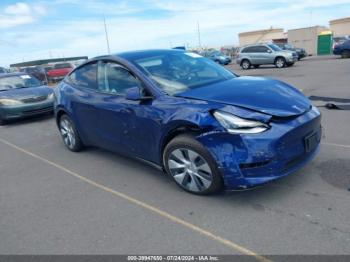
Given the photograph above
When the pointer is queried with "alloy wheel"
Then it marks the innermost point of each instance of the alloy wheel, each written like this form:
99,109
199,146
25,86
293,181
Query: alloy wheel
67,133
190,170
280,62
245,65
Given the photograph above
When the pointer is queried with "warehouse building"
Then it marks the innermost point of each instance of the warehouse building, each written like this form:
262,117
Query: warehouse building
262,36
340,27
306,38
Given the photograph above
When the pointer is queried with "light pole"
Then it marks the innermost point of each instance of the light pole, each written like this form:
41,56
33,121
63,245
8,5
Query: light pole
199,36
106,33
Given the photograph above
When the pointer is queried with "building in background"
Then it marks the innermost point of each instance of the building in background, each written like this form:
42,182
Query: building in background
262,36
306,38
340,27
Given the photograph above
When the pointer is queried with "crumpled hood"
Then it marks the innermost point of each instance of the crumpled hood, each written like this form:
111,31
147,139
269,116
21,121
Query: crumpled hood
268,96
24,93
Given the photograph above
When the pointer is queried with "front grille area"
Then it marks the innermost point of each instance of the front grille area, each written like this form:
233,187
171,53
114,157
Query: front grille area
38,111
34,99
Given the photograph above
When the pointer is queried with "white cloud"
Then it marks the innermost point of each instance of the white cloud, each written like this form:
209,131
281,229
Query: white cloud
20,14
18,9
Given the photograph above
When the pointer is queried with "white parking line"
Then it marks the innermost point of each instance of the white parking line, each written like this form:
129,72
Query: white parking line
338,145
179,221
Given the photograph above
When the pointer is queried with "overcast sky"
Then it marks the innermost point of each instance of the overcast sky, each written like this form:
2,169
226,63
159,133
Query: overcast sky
31,30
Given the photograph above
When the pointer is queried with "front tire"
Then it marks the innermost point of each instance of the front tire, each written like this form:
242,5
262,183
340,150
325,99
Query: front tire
280,62
245,64
69,134
191,166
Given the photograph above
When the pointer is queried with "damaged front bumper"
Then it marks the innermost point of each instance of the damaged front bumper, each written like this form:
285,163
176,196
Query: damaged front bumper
248,160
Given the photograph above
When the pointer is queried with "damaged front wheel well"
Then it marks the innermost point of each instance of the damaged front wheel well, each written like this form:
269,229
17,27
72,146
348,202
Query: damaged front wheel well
192,130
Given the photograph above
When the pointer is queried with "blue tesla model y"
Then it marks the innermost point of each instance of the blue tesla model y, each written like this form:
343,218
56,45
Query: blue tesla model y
208,128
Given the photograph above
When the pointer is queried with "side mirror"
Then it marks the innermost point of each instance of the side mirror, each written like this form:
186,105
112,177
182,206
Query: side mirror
134,94
269,51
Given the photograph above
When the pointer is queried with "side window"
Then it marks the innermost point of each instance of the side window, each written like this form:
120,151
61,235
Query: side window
250,49
245,50
254,49
262,49
85,77
115,79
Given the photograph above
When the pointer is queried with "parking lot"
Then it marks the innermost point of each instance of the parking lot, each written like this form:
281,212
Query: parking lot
53,201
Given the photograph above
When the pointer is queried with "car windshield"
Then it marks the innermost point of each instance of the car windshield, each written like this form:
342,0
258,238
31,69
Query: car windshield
19,81
30,69
177,72
275,47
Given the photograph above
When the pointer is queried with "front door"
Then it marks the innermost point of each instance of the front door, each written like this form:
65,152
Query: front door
123,124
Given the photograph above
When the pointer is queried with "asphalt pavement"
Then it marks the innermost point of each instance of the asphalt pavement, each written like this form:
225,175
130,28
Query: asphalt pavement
53,201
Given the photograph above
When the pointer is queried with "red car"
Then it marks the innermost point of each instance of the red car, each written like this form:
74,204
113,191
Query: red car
59,71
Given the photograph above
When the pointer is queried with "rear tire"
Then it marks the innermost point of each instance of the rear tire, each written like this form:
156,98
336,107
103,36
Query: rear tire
69,134
280,62
345,54
191,166
245,64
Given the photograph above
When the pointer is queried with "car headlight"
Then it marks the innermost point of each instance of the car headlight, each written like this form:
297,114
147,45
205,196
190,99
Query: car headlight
50,96
9,102
237,125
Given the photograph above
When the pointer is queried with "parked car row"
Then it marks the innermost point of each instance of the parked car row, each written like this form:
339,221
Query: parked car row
45,73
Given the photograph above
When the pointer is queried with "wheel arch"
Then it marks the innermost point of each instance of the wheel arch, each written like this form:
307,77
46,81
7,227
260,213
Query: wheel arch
279,56
59,113
243,59
179,129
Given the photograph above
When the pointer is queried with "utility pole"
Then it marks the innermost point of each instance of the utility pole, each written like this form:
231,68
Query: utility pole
311,17
107,40
199,35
